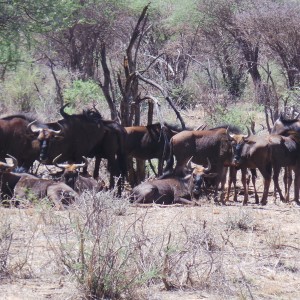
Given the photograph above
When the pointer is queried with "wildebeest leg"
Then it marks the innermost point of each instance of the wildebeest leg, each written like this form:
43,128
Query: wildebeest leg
97,167
231,179
266,172
253,179
184,201
245,185
223,182
287,179
297,183
276,183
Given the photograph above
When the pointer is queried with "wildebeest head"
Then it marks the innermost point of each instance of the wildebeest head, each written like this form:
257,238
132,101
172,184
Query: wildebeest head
282,125
238,141
199,173
70,171
6,167
45,136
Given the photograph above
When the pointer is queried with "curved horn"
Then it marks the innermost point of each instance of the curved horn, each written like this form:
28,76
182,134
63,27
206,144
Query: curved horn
35,128
249,133
84,164
228,135
62,111
31,123
208,168
189,163
61,166
15,161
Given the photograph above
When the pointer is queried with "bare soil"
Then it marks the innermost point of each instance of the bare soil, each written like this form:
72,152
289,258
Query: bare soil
254,251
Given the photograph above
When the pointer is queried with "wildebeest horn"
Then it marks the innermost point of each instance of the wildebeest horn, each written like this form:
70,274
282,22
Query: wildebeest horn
58,131
189,163
34,128
208,168
15,161
249,133
85,164
228,135
61,166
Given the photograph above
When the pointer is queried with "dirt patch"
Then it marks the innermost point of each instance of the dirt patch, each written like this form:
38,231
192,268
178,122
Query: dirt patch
205,252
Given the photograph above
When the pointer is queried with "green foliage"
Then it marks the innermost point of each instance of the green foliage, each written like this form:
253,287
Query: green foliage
234,115
20,20
19,91
83,92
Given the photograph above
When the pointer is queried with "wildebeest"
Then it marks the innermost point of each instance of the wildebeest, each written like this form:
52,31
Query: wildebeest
174,189
150,141
17,140
85,134
267,152
23,185
282,126
237,141
72,177
212,144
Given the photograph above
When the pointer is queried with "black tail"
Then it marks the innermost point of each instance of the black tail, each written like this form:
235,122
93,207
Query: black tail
168,170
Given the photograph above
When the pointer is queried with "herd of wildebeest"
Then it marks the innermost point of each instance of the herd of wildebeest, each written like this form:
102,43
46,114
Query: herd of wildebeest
197,161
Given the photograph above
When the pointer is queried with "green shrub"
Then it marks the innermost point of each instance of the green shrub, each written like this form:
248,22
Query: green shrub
83,92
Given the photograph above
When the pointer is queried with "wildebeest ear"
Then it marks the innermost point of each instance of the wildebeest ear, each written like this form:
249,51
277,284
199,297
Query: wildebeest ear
210,175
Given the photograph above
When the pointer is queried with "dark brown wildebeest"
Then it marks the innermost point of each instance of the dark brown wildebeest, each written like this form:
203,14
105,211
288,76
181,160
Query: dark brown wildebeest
267,152
237,142
282,125
17,140
71,176
173,189
88,135
151,141
21,185
212,144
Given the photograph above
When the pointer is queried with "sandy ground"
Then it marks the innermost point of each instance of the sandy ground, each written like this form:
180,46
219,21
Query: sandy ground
257,250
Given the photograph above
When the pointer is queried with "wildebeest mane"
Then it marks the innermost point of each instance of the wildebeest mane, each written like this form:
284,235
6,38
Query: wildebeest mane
287,121
27,117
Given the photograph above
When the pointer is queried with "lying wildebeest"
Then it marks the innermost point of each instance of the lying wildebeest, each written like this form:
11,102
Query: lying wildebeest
212,144
173,189
17,140
72,177
267,152
85,134
23,185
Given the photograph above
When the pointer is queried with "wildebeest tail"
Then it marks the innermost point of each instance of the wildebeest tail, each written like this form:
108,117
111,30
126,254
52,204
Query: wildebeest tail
170,162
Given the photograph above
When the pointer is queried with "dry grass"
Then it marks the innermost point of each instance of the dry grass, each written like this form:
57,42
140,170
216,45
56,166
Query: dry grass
105,248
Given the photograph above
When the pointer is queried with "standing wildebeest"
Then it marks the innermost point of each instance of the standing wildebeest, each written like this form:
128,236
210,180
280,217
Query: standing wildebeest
212,144
85,134
21,185
237,142
17,139
174,189
150,141
282,125
75,180
267,152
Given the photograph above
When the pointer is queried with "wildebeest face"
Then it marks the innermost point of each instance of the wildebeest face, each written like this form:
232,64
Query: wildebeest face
71,171
238,142
198,175
45,136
